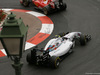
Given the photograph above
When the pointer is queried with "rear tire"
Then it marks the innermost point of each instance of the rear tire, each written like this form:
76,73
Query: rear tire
54,62
83,40
29,58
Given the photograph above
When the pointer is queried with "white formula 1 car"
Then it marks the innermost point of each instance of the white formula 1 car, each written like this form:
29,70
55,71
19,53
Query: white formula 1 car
56,48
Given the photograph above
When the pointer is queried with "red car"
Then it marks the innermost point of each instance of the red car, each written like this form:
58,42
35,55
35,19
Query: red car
47,6
2,15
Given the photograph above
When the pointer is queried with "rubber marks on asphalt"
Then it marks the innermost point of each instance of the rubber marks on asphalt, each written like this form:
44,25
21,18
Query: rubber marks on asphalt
46,30
40,37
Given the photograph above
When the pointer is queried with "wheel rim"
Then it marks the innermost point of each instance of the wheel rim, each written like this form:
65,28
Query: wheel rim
84,39
57,64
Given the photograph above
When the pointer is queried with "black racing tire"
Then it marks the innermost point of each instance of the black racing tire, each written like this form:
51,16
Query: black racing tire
26,3
46,9
63,7
29,58
54,62
82,39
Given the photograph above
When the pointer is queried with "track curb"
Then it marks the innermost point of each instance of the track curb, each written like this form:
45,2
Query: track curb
46,30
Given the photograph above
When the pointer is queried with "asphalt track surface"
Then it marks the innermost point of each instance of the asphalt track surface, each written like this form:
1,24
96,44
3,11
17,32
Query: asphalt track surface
81,15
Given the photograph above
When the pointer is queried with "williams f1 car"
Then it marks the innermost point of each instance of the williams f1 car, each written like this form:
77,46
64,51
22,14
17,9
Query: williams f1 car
47,6
56,48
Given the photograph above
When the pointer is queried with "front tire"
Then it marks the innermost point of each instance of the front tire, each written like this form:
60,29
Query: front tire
83,40
54,62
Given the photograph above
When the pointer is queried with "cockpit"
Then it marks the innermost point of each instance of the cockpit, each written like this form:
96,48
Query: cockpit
64,38
55,44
